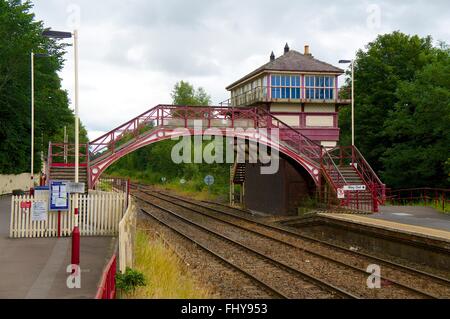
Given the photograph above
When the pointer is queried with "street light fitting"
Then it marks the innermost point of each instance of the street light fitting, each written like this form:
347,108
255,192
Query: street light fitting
345,61
56,34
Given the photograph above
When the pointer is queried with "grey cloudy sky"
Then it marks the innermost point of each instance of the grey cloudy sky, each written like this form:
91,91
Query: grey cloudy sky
133,52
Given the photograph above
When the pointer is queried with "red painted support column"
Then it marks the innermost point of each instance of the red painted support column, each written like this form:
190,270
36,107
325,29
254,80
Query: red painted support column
443,201
375,200
76,243
232,117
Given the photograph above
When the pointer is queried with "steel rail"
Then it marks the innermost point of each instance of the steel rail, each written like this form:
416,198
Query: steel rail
442,280
223,259
329,259
311,279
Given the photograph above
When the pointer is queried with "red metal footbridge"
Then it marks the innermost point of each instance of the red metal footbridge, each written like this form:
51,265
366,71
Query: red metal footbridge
330,169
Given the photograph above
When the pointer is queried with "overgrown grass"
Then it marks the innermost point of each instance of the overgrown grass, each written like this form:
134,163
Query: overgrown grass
104,186
165,275
194,187
307,205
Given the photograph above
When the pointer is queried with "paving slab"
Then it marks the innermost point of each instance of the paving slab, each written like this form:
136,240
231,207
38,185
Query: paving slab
37,267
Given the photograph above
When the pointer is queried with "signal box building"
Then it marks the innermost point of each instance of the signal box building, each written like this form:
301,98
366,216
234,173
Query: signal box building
302,92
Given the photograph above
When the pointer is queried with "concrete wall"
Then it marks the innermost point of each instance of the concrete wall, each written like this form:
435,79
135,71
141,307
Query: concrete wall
320,108
10,182
320,121
291,120
289,108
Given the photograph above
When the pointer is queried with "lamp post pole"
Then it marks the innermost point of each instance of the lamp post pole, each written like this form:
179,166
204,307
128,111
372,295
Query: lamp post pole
353,102
32,125
75,260
76,231
352,63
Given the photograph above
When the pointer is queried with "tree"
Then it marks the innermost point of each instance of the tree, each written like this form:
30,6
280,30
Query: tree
20,34
391,58
418,129
387,64
184,93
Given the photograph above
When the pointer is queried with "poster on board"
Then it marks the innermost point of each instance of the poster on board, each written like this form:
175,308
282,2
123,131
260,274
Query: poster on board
59,197
39,211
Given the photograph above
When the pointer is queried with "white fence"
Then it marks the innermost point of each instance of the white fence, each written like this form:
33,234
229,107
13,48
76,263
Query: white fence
99,215
127,233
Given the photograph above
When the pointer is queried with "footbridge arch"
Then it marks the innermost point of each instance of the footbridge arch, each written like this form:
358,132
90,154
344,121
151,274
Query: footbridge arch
165,122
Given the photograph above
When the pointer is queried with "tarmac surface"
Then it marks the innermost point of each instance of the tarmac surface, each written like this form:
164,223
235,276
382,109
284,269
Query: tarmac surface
414,215
36,268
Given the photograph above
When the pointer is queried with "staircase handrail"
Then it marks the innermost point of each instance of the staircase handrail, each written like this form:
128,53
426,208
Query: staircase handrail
327,171
366,163
371,177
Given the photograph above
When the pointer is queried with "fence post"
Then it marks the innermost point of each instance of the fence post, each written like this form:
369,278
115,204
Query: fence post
128,191
375,200
59,224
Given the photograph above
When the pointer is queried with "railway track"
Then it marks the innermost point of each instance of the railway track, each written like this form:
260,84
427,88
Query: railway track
279,279
403,282
271,291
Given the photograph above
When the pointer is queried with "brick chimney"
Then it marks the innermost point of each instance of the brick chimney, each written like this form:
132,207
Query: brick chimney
307,53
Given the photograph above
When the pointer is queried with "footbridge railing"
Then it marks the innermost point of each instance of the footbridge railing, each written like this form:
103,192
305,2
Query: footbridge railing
171,116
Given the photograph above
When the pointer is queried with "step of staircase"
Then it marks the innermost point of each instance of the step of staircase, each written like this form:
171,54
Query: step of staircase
238,176
68,174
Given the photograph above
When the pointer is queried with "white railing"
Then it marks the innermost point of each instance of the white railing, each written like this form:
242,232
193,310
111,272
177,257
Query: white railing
99,215
127,233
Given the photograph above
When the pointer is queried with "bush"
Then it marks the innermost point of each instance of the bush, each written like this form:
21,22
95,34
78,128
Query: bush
130,280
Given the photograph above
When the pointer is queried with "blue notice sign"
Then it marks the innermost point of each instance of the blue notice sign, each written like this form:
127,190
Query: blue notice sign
59,198
209,180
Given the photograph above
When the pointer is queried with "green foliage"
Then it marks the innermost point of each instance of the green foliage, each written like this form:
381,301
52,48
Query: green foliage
447,169
402,110
152,163
20,34
418,129
185,94
130,280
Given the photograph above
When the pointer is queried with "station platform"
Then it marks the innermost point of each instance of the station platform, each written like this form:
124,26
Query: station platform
421,221
35,268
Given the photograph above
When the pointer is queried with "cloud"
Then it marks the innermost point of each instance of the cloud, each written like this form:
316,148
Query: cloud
133,52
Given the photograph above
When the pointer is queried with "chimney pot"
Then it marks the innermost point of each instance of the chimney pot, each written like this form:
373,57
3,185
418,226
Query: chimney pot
272,57
286,48
307,50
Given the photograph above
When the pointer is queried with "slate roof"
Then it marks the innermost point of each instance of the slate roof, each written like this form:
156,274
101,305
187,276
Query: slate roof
292,61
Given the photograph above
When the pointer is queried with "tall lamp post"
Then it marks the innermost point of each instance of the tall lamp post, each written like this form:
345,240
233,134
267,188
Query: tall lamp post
352,62
76,232
33,55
